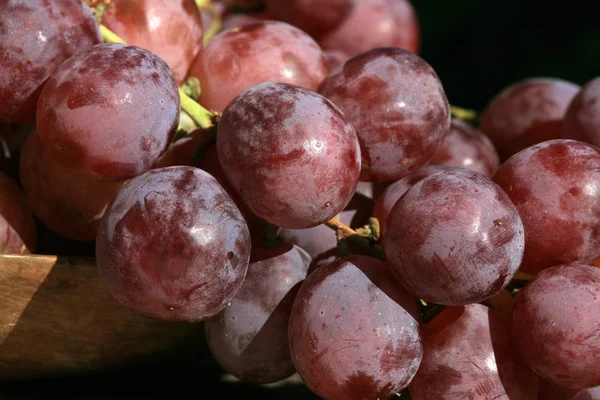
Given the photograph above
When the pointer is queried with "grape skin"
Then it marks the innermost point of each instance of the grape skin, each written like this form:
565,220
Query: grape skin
526,113
289,153
391,194
397,105
170,29
248,337
582,121
17,226
69,203
354,331
469,355
373,24
242,57
467,147
314,17
110,112
454,238
556,325
554,185
36,37
173,245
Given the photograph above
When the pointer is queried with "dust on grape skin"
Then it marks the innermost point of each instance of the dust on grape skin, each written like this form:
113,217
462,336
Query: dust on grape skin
527,113
556,324
443,240
35,39
353,329
290,154
173,245
268,51
554,185
398,107
105,112
248,338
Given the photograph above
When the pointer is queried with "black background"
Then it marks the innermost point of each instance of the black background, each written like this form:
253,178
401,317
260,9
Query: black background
477,47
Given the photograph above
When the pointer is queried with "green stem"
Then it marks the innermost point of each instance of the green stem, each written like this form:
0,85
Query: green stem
201,116
463,113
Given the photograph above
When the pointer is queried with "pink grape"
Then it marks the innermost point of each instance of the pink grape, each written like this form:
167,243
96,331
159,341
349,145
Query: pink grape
391,194
554,185
467,147
242,57
454,238
36,37
170,29
354,331
66,201
248,337
469,355
556,325
289,153
526,113
582,121
109,112
397,105
173,245
373,24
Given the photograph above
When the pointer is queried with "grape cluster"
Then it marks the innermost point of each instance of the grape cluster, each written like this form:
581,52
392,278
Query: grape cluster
307,194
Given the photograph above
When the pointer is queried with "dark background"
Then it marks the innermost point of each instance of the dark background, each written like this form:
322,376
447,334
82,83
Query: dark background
477,47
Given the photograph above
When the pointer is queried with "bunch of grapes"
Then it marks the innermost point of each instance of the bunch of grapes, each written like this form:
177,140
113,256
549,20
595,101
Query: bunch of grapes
291,174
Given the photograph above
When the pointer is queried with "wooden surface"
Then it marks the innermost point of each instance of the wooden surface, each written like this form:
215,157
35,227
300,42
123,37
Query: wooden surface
56,317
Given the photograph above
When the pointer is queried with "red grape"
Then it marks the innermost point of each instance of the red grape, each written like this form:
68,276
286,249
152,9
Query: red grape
289,153
170,29
527,113
373,24
454,238
66,201
548,391
391,194
469,355
173,245
554,185
467,147
269,51
110,112
397,105
582,121
354,331
248,337
556,325
315,17
36,37
17,226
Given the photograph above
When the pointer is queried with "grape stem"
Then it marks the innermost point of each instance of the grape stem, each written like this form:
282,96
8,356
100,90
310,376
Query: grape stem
201,116
344,232
215,24
463,113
